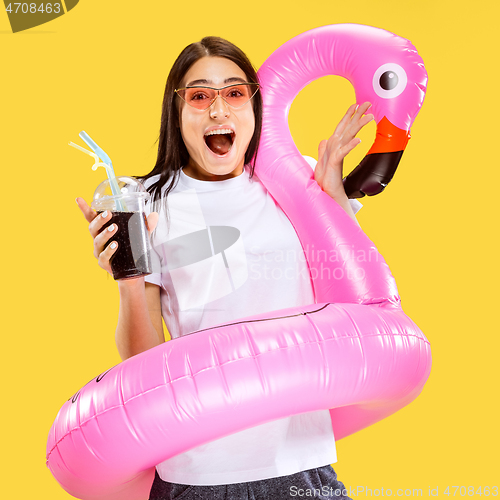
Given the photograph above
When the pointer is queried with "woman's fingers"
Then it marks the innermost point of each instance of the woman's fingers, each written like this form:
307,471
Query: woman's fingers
105,255
340,128
363,108
85,209
102,238
352,116
356,127
152,221
95,227
100,234
96,220
359,119
321,149
345,150
352,122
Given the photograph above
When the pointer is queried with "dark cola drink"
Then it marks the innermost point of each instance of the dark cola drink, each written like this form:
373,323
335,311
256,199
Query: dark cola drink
132,257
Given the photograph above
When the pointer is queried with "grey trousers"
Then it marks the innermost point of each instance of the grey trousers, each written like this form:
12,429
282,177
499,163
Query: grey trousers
314,483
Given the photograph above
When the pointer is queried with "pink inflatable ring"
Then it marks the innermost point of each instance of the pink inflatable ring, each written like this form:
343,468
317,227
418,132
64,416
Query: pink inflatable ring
354,351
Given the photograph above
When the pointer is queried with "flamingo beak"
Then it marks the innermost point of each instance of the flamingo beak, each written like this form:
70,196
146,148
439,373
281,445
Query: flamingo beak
377,168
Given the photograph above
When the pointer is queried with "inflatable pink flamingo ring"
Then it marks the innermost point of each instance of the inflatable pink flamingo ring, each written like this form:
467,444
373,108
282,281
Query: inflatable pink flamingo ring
354,351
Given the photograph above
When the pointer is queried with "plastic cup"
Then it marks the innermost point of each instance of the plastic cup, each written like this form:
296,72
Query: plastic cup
133,255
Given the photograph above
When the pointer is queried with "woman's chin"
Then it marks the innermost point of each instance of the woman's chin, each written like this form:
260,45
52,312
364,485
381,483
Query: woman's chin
225,170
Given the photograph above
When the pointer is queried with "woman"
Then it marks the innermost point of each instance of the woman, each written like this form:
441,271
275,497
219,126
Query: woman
222,250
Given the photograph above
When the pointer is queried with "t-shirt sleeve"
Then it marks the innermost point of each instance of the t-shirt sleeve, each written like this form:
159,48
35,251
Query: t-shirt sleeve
155,276
355,204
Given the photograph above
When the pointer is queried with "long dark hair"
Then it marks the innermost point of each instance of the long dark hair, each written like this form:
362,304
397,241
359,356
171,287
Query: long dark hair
172,152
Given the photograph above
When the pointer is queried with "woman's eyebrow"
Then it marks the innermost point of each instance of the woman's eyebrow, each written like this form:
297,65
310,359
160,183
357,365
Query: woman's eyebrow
233,79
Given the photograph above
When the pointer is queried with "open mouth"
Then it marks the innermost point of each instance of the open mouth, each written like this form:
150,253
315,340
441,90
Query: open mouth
219,141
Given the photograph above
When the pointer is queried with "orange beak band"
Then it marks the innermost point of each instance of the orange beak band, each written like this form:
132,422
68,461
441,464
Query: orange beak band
377,168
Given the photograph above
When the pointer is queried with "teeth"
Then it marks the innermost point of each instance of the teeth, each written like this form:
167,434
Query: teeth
220,131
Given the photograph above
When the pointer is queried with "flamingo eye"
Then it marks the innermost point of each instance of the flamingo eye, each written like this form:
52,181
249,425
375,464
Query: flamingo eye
389,80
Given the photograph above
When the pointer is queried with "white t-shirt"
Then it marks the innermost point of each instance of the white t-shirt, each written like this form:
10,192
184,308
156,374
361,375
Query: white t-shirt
229,252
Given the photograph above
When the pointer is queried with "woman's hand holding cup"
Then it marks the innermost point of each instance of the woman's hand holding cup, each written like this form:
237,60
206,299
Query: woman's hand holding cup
96,222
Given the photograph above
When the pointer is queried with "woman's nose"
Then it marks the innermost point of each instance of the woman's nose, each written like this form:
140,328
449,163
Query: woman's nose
219,108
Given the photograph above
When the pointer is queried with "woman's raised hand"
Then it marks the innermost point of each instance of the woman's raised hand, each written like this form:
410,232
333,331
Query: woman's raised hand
331,152
96,222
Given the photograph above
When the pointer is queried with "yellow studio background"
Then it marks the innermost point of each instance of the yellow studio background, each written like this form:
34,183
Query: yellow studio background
102,68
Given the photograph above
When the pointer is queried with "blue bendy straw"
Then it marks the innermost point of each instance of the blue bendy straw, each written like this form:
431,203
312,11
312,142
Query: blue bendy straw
99,153
96,149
